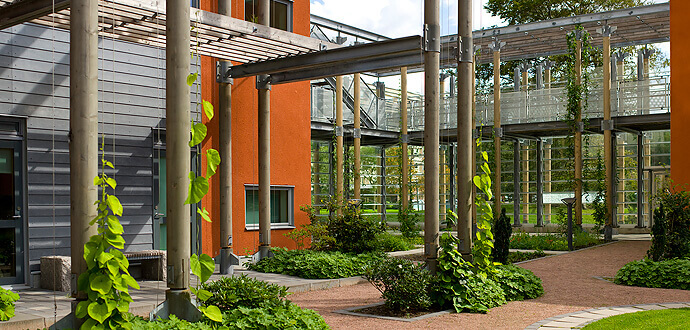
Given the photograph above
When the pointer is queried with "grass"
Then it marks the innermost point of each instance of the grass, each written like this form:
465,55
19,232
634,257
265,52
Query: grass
656,319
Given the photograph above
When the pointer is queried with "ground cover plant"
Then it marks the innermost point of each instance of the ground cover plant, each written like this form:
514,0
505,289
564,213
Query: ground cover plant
518,256
669,274
7,299
655,319
246,303
315,264
553,242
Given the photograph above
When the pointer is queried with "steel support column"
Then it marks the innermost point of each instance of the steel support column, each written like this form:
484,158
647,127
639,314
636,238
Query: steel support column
578,135
432,52
383,184
404,139
357,138
516,183
339,148
609,148
264,136
640,180
540,180
465,127
83,135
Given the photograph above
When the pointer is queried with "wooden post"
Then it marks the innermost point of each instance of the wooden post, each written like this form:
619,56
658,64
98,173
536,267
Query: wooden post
404,139
525,183
609,151
578,138
547,179
339,149
496,47
357,138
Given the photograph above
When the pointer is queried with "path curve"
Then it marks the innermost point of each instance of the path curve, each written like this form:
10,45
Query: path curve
569,284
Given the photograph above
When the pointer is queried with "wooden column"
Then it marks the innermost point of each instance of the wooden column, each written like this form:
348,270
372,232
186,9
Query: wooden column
357,138
547,178
496,47
525,183
465,128
404,139
339,149
609,152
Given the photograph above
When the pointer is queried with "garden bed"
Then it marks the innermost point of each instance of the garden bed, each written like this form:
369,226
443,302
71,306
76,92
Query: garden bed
553,242
379,310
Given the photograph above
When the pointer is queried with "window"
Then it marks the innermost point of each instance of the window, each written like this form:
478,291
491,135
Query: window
282,207
281,13
194,3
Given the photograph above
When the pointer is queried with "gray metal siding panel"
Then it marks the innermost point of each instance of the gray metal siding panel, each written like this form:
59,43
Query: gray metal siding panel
34,82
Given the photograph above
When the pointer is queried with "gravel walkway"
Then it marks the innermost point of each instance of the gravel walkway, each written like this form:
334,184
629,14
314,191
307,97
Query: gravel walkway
569,286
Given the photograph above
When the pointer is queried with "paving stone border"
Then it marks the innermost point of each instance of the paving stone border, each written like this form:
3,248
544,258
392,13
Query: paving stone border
577,320
351,311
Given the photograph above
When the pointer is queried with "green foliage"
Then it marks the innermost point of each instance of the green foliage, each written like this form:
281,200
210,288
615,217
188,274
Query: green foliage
202,266
350,231
402,284
173,323
527,11
106,280
481,251
552,242
669,274
290,317
518,256
231,292
7,299
388,242
518,283
314,264
451,219
408,220
599,203
671,229
502,230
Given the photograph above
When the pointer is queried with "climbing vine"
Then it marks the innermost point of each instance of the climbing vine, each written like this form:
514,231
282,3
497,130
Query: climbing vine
107,280
481,250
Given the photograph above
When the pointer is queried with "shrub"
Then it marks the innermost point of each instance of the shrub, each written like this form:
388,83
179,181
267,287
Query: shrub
518,283
402,284
518,256
314,264
388,242
173,323
408,219
671,229
669,274
290,317
242,291
502,230
552,242
7,299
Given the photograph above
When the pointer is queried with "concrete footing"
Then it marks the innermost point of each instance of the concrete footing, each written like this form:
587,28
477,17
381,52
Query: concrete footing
227,260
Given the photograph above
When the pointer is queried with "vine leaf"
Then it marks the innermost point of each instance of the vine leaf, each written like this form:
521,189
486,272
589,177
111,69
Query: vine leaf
212,162
191,78
213,313
98,312
102,284
198,134
114,225
202,266
208,109
111,182
115,205
198,187
204,214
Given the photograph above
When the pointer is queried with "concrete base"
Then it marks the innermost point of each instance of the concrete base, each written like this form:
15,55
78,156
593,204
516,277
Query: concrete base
608,233
178,303
227,260
264,252
56,272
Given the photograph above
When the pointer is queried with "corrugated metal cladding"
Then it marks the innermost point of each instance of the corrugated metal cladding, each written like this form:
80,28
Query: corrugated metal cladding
34,82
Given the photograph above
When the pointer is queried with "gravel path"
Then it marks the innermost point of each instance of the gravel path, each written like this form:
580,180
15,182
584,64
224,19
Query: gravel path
569,286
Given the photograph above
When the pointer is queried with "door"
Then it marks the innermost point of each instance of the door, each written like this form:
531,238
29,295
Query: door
11,213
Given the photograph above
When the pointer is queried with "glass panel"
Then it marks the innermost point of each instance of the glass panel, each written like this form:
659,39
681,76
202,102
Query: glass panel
8,258
280,199
162,185
6,184
279,15
252,207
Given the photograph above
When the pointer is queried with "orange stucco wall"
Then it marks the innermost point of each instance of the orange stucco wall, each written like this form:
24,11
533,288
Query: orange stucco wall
290,143
680,85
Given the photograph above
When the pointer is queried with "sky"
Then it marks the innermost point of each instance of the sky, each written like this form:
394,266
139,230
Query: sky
401,18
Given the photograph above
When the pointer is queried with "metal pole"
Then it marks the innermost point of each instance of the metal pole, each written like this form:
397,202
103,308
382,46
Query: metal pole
83,137
431,130
339,149
608,138
640,180
525,183
475,136
547,180
383,185
357,138
178,154
516,184
264,136
465,127
404,139
540,188
578,136
227,258
498,132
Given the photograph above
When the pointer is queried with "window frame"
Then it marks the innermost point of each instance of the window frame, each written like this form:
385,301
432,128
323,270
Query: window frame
290,224
290,12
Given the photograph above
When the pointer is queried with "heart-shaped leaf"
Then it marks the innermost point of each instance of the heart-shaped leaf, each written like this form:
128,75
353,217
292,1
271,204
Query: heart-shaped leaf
212,162
198,134
208,109
102,284
115,205
198,187
98,312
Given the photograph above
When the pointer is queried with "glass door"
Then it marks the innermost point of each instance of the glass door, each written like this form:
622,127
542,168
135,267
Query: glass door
11,213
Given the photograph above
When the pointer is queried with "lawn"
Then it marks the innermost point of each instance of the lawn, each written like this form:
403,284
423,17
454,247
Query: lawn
656,319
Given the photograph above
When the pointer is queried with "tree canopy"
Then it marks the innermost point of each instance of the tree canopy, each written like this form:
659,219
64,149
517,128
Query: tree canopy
527,11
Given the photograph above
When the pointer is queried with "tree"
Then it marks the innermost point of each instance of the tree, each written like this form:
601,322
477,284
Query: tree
527,11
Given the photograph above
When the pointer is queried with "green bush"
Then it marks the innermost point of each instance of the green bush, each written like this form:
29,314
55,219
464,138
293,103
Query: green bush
669,274
232,292
518,283
7,299
552,242
408,219
290,317
402,284
314,264
502,230
518,256
671,229
388,242
173,323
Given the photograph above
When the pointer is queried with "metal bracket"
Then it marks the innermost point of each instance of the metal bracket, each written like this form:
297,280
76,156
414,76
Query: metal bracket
432,38
465,53
263,82
496,45
498,131
405,138
607,30
339,131
607,125
323,47
579,34
357,133
223,72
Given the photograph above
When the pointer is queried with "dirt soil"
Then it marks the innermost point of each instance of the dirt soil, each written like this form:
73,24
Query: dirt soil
569,286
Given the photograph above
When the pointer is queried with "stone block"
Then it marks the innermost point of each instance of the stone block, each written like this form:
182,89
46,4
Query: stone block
55,273
153,263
